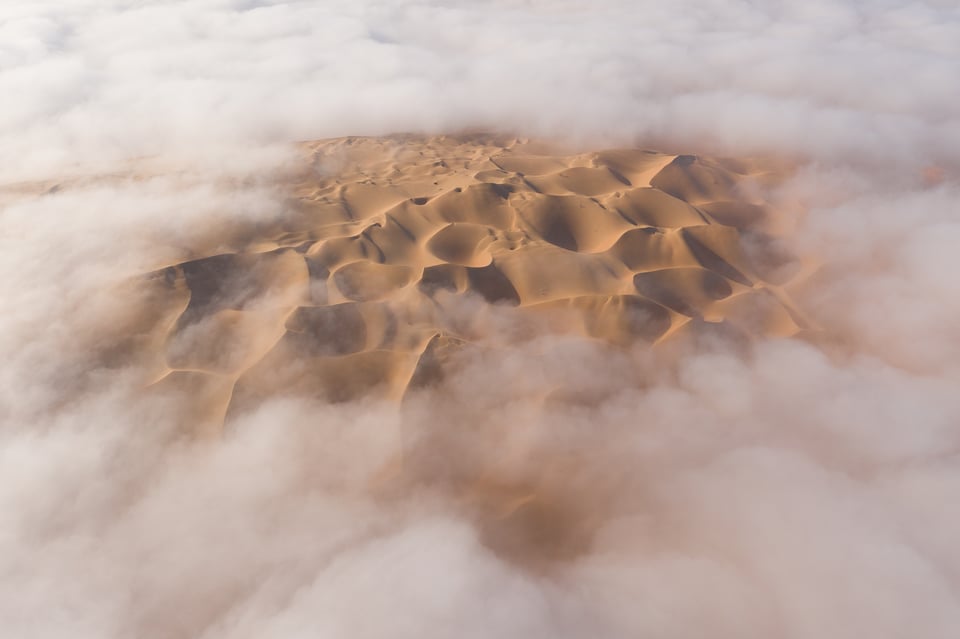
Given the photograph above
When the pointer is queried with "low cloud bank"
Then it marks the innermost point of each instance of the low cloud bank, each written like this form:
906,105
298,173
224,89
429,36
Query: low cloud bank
100,82
793,490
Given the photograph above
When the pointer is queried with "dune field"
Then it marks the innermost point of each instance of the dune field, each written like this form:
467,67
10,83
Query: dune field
401,261
360,289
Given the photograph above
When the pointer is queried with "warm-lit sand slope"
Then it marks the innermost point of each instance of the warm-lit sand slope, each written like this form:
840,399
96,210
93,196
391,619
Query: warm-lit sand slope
398,253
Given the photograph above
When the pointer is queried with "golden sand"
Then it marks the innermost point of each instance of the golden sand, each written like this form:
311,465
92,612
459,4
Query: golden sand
395,251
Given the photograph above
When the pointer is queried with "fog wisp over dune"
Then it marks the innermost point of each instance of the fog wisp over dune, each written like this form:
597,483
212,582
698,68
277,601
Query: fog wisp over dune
500,318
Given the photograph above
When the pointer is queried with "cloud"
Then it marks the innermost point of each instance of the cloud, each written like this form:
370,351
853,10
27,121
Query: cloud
789,490
104,81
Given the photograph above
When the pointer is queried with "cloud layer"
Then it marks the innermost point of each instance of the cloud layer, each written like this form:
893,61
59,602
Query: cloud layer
99,81
795,491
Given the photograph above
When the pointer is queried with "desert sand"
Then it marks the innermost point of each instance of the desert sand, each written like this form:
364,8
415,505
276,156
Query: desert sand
396,250
404,268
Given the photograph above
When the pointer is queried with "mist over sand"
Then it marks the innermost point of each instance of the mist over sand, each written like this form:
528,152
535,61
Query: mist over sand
564,429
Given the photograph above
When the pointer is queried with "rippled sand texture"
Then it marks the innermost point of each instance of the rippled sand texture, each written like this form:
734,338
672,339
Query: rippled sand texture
397,253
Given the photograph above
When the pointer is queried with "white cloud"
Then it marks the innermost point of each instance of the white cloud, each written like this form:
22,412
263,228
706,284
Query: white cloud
786,493
98,80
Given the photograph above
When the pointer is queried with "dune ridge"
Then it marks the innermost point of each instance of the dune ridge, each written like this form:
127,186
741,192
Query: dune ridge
359,288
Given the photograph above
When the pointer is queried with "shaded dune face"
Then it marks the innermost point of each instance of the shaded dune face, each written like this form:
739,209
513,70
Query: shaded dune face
402,260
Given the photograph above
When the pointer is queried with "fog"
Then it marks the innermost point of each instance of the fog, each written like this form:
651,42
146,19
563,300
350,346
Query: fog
101,81
790,490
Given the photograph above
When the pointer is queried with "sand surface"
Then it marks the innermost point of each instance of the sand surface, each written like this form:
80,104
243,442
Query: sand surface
407,271
399,254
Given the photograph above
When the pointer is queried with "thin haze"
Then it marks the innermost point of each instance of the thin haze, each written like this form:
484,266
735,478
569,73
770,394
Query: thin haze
794,492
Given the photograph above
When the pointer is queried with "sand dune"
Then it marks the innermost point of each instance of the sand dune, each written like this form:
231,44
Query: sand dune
359,288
